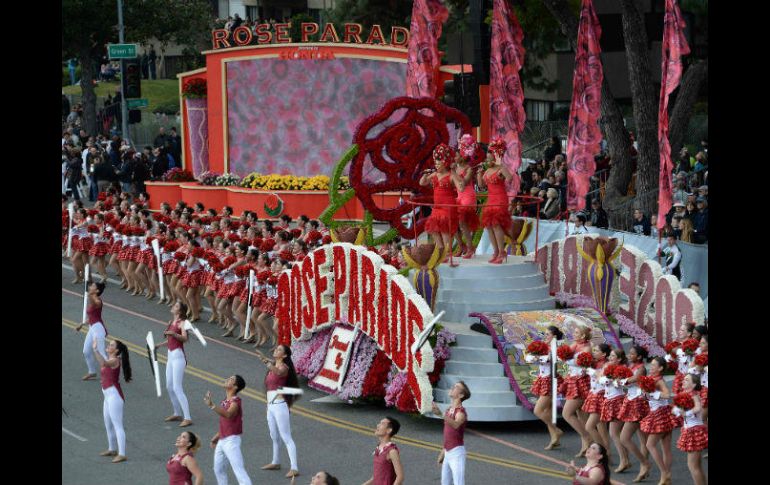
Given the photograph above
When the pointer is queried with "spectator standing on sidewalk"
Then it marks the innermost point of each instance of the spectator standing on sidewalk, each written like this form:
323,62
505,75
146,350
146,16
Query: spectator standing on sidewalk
598,216
151,58
161,139
701,221
641,223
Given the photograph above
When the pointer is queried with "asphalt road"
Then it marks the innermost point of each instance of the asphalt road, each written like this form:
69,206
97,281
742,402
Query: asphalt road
333,436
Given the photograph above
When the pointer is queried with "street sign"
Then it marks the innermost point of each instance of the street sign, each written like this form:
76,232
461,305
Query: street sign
137,103
122,51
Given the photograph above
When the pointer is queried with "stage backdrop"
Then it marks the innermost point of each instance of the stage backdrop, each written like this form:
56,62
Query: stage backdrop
298,116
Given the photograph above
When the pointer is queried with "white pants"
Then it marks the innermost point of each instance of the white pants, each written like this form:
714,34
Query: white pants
174,374
279,423
453,468
229,449
113,420
95,331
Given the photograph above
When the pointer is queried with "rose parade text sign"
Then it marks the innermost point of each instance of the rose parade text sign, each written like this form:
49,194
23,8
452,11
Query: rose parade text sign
352,33
346,282
331,375
655,302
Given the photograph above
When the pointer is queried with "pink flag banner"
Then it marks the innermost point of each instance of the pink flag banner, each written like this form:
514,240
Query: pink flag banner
674,47
506,97
584,136
423,61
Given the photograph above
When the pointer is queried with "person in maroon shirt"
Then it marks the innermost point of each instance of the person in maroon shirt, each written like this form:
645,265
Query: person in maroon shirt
227,442
387,461
182,466
452,457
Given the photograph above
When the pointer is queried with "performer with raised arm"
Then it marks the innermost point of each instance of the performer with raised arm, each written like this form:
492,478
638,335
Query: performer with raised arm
596,471
176,336
280,373
577,386
117,357
659,423
694,437
227,441
183,466
388,469
442,222
452,456
495,216
97,332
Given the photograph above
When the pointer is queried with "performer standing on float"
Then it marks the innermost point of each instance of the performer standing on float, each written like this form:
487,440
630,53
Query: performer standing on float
442,222
469,219
452,457
634,409
388,469
97,332
227,441
542,388
659,423
495,216
182,466
577,385
117,356
280,374
176,336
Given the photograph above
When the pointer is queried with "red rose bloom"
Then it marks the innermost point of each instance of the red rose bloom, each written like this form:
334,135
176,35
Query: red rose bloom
623,372
272,280
584,359
690,345
671,347
93,228
296,232
702,360
564,352
229,261
198,252
314,236
646,383
537,347
609,371
180,256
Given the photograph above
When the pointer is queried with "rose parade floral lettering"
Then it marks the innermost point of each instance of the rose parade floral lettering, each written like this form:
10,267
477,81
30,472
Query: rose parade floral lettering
351,34
343,282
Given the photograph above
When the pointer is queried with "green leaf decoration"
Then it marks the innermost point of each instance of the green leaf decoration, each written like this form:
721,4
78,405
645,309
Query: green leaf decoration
336,201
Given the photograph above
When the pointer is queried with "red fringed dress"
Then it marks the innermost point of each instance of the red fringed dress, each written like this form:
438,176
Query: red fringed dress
101,246
695,435
443,219
593,402
635,406
467,200
577,384
243,296
193,276
542,385
271,295
495,211
86,241
613,401
659,420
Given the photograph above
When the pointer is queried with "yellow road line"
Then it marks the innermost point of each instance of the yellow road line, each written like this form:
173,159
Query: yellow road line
336,422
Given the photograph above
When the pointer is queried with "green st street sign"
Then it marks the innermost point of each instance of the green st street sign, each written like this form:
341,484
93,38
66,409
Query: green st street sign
122,51
137,103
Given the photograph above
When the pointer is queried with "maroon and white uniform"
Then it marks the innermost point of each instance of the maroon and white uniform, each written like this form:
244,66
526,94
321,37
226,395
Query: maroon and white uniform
113,409
175,371
384,473
178,474
453,467
229,444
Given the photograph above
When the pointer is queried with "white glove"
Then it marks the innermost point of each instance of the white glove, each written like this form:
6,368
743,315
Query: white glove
706,369
624,382
676,411
529,358
655,395
668,358
544,359
615,383
603,380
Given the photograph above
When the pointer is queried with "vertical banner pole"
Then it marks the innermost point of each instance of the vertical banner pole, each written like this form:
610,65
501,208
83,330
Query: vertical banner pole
71,209
248,306
156,250
554,400
85,291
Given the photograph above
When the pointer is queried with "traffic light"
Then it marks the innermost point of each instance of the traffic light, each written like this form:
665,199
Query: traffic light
132,77
134,116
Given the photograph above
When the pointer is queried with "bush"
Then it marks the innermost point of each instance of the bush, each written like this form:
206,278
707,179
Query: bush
169,108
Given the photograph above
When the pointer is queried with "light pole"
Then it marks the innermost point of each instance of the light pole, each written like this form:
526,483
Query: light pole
123,106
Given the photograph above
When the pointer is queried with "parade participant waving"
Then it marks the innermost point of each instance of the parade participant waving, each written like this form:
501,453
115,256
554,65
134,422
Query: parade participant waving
97,332
694,438
542,385
183,466
388,469
577,385
227,441
596,471
469,219
442,222
117,357
659,422
280,373
494,215
176,336
634,409
452,457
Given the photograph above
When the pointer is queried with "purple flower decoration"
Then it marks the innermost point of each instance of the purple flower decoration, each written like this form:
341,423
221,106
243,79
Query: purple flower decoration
363,355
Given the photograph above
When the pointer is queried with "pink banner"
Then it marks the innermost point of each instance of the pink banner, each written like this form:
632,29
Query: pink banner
506,97
674,47
424,59
584,135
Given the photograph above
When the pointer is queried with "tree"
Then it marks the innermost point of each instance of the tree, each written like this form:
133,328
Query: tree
386,13
645,111
89,25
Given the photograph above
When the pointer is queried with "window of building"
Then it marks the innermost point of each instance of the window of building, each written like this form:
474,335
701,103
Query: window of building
537,110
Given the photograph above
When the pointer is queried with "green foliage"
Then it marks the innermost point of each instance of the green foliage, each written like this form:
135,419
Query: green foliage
385,13
65,75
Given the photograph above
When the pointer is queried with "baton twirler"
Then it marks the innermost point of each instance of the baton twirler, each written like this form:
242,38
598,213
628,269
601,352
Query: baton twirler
553,381
153,360
156,250
85,291
187,325
71,211
248,306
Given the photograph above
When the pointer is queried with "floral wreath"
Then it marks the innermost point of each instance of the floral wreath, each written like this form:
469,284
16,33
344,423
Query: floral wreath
498,147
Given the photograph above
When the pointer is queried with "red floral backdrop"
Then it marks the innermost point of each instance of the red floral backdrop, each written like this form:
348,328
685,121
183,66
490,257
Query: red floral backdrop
297,117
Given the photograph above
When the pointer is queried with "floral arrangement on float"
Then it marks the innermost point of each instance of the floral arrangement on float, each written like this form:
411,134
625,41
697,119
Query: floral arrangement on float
176,174
208,177
258,181
195,89
520,231
227,180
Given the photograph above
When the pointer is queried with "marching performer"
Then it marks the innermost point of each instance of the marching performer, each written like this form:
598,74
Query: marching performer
117,357
659,423
542,386
100,248
577,385
97,332
634,409
593,402
694,438
469,219
227,441
176,336
613,401
442,222
388,469
494,215
280,373
182,466
452,457
685,332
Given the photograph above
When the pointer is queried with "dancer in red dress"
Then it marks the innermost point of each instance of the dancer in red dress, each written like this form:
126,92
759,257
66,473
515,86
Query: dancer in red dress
593,402
388,469
685,332
634,409
183,466
695,437
701,368
494,215
542,387
469,219
596,471
577,385
613,401
442,223
659,423
100,247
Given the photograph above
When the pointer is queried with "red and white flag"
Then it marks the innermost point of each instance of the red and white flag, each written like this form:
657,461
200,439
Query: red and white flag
674,47
423,61
506,97
584,136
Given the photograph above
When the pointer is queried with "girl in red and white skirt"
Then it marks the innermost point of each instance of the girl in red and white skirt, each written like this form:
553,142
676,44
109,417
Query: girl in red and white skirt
659,423
685,332
262,265
232,288
261,320
542,388
613,401
80,244
143,258
101,246
193,279
270,301
593,402
634,409
576,387
117,244
700,368
694,438
241,303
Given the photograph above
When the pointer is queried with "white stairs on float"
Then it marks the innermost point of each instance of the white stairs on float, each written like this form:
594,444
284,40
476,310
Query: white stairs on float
476,286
